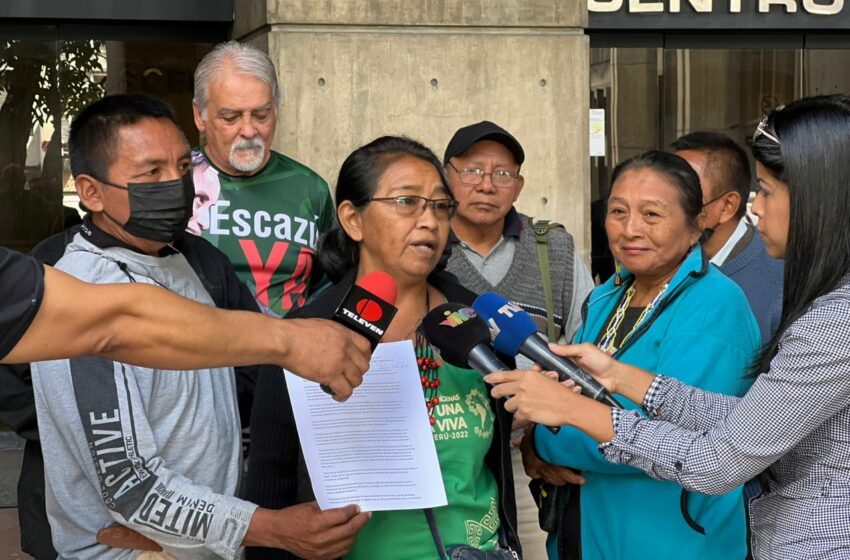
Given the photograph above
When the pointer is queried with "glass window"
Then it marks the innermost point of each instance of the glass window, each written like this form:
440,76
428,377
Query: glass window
653,96
43,85
31,167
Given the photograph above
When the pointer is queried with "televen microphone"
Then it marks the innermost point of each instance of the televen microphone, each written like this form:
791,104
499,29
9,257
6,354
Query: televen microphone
368,308
462,339
513,332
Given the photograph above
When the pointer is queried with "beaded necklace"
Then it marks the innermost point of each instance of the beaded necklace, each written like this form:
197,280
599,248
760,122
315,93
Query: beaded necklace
607,344
428,365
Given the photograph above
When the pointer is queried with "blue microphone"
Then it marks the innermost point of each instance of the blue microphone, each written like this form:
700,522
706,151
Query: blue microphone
513,332
462,339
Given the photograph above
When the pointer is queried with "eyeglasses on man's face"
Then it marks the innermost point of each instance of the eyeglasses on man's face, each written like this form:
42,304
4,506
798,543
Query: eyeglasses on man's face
715,199
501,178
412,205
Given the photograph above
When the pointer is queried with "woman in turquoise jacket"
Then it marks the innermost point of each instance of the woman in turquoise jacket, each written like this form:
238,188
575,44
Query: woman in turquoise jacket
669,311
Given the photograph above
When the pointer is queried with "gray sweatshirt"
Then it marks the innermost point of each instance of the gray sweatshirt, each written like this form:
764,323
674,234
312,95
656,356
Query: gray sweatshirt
157,451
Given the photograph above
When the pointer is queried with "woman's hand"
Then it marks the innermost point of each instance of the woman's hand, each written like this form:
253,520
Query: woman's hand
594,361
535,467
533,396
627,380
539,398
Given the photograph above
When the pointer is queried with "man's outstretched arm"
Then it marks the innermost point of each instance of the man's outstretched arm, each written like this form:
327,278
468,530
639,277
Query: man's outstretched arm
152,327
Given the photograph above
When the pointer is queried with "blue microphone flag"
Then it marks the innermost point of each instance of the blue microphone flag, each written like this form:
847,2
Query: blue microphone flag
509,324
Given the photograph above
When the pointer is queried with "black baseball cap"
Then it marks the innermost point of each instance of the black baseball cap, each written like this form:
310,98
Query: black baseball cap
485,130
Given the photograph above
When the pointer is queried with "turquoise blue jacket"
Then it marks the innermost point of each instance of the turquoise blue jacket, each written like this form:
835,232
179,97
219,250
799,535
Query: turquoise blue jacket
703,333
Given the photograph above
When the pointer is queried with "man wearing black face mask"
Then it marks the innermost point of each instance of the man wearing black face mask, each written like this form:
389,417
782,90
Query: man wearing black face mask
155,451
158,213
730,240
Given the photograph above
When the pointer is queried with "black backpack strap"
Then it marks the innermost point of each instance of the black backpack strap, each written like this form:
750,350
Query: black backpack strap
683,504
435,533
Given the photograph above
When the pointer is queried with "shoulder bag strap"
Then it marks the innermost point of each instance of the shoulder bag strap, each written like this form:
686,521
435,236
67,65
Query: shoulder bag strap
541,235
435,533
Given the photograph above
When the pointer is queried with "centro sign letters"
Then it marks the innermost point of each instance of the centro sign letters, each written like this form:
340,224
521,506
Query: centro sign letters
706,16
814,7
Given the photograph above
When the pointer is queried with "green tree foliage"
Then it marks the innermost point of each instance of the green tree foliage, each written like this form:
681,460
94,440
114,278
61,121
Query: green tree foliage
40,83
43,82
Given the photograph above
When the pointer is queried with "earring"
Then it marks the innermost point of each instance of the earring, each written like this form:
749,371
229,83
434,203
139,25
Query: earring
618,280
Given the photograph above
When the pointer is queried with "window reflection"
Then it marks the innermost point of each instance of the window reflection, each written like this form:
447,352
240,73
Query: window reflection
41,85
653,96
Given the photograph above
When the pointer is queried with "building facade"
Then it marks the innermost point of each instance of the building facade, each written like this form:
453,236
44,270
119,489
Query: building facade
661,69
351,70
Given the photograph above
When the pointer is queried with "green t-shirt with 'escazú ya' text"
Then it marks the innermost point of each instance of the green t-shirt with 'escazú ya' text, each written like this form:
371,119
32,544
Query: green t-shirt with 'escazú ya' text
268,224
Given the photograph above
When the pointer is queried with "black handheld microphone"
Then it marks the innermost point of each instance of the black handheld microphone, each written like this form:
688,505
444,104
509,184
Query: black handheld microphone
368,308
514,332
462,339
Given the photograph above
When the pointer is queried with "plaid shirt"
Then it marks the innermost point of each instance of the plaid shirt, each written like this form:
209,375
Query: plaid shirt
794,421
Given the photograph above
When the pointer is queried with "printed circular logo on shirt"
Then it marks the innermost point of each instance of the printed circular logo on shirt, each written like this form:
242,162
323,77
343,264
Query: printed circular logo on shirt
479,407
369,310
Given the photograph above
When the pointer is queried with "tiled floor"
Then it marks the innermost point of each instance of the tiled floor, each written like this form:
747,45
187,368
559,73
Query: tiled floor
10,538
11,449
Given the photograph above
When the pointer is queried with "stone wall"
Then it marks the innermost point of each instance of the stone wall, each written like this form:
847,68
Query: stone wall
352,71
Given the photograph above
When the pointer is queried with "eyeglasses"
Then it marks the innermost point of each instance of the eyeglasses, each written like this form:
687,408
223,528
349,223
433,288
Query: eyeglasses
411,205
501,178
715,199
761,129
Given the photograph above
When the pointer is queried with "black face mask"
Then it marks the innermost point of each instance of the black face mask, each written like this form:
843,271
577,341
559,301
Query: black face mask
709,231
158,211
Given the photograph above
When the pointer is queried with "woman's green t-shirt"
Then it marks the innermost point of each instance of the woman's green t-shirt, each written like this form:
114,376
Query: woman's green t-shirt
463,431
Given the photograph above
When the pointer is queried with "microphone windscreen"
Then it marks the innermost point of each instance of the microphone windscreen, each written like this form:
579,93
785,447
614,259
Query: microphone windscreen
509,324
454,330
380,284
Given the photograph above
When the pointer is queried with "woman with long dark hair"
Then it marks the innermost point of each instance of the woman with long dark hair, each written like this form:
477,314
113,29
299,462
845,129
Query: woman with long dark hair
793,424
393,209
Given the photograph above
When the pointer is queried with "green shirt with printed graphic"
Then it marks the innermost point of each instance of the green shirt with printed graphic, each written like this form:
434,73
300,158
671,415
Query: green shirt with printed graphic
268,224
463,431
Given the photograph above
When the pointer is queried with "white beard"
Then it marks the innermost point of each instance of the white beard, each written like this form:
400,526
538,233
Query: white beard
247,156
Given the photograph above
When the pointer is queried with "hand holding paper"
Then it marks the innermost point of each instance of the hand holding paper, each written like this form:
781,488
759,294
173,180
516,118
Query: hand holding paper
375,450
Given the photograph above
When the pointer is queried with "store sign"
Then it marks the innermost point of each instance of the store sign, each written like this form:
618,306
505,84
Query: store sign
827,8
718,14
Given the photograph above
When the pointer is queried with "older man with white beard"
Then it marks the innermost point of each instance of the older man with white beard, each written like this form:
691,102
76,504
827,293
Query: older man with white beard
264,210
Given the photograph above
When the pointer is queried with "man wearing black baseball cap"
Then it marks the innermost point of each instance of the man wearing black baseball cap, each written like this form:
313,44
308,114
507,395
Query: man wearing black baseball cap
495,248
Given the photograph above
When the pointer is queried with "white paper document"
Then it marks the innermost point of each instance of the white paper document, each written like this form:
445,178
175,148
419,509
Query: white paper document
376,449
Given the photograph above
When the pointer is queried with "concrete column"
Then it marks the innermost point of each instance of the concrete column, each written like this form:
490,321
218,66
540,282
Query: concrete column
354,70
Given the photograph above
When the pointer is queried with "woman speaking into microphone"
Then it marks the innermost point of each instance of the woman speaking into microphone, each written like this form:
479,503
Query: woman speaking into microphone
793,424
393,207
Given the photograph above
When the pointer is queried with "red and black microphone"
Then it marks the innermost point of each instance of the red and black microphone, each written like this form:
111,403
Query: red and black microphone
368,308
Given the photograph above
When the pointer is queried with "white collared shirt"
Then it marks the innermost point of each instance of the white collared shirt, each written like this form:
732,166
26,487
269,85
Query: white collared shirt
724,251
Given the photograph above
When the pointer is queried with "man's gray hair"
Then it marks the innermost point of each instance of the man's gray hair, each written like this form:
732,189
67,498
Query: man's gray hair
245,58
